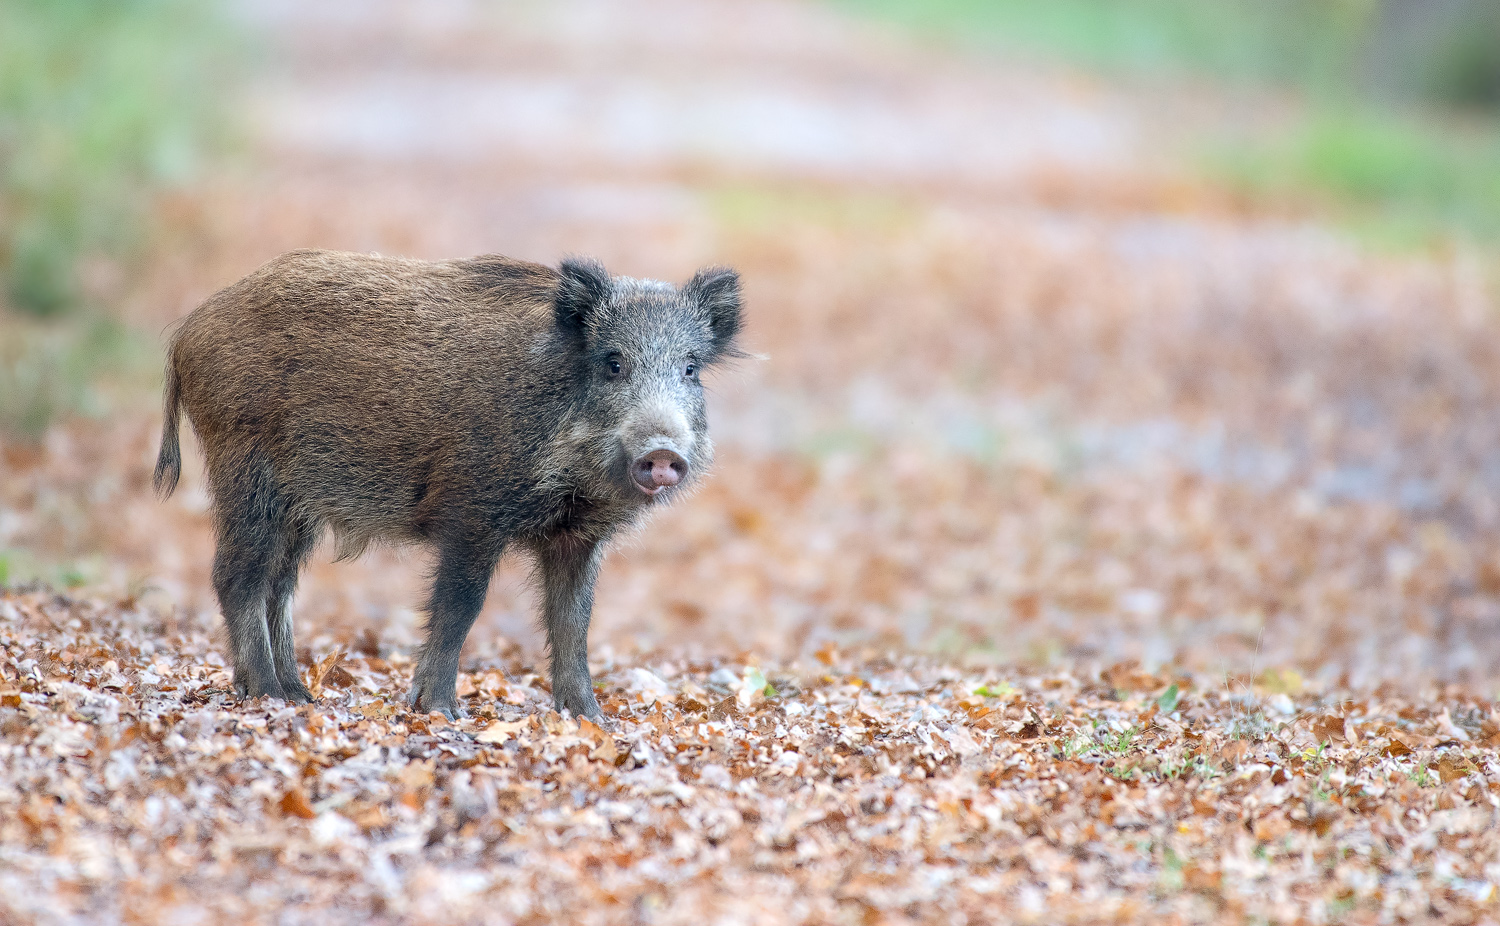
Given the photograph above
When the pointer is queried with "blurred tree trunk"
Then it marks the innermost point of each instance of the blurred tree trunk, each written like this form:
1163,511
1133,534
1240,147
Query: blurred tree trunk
1444,50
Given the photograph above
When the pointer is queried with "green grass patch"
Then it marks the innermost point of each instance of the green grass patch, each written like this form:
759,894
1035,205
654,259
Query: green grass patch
102,103
1444,52
21,568
1398,178
1307,42
68,368
773,208
1399,137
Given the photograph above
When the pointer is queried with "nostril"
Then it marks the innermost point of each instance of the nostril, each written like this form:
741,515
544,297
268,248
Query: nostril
659,469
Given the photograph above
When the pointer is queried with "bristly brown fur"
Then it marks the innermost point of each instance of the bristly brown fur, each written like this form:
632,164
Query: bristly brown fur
458,404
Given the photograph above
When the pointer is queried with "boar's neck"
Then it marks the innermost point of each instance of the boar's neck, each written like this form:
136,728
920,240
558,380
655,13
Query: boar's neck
572,483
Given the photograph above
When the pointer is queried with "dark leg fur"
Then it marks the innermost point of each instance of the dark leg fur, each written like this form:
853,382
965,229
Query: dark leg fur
246,509
568,566
458,591
240,567
296,542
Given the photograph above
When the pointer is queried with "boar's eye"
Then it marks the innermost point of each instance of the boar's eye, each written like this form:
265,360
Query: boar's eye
612,367
690,371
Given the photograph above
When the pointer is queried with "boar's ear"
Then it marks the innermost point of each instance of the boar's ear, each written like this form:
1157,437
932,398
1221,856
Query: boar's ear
716,292
584,286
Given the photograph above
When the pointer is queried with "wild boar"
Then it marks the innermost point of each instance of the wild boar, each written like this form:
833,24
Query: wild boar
475,406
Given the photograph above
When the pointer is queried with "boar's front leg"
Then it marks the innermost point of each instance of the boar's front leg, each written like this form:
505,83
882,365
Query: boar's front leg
462,581
568,565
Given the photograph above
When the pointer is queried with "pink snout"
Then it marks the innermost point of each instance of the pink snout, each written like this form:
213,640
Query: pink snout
657,470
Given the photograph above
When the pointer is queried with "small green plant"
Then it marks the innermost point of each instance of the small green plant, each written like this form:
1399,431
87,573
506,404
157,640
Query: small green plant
1340,907
1321,790
1167,703
1121,742
1254,727
1316,758
1001,690
1188,767
755,680
1172,864
1076,745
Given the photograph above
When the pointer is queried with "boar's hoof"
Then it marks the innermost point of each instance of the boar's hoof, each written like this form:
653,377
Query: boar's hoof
580,704
607,724
423,703
298,693
249,690
658,470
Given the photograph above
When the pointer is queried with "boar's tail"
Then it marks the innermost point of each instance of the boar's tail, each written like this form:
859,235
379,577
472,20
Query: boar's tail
169,459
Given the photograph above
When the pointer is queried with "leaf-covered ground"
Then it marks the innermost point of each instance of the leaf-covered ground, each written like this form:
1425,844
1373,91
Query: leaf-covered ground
841,789
1082,547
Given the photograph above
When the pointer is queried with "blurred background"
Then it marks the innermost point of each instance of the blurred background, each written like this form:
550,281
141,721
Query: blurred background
1088,330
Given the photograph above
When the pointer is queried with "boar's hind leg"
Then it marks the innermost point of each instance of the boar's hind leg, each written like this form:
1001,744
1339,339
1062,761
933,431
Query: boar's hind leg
295,543
248,536
463,579
568,566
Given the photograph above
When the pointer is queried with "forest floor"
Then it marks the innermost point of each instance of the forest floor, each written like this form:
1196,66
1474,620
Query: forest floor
1085,544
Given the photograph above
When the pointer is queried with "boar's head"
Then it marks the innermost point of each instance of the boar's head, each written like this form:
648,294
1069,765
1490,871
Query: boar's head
640,347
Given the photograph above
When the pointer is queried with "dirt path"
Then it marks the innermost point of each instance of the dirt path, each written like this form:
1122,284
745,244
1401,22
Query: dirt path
967,280
1027,399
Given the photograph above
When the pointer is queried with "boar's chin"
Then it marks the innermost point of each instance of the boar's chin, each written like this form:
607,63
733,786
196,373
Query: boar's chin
657,495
